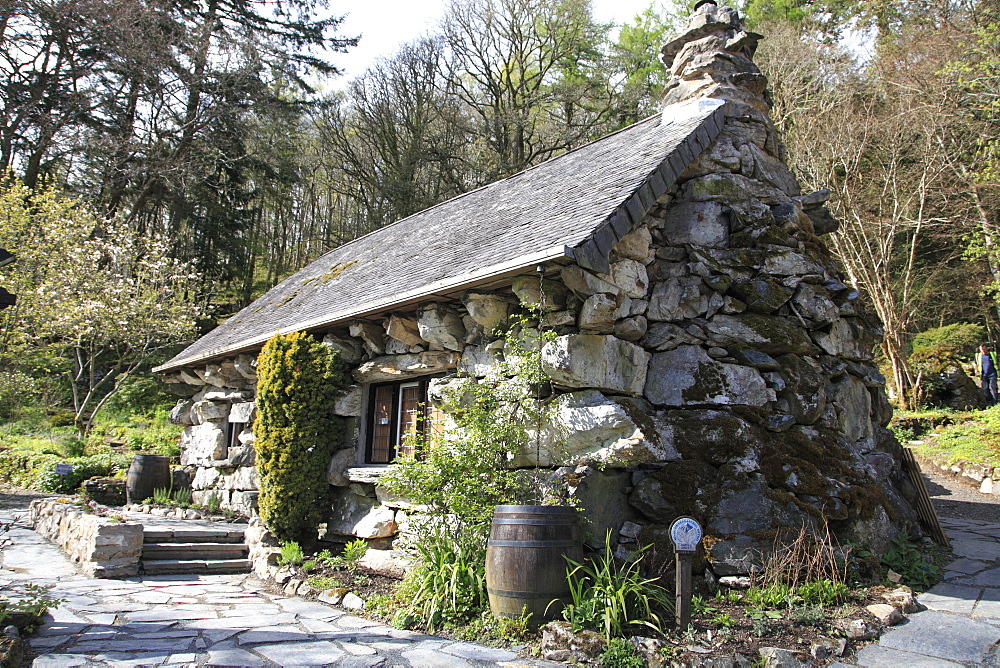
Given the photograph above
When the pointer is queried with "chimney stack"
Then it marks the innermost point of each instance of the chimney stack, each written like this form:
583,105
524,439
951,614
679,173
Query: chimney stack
712,58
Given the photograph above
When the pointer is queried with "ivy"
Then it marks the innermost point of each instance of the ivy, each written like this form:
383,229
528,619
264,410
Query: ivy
298,379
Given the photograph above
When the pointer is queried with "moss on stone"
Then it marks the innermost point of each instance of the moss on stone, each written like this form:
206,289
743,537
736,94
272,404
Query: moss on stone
864,498
708,383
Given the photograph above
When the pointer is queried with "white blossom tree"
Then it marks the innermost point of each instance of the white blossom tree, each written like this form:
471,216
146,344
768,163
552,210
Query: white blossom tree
90,290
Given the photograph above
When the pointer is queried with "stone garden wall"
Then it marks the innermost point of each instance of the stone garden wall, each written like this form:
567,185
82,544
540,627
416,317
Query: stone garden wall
101,547
221,395
721,369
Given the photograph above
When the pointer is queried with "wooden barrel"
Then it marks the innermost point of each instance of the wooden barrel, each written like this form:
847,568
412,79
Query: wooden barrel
145,474
525,564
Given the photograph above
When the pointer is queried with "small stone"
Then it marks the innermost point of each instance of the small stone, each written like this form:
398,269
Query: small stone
902,599
858,629
886,614
893,576
352,601
10,631
735,581
824,649
630,530
333,596
775,657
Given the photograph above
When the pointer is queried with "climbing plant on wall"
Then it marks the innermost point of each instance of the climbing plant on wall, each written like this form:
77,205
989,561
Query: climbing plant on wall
297,432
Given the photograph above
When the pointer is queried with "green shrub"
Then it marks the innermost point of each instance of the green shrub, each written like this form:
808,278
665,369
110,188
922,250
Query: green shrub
140,394
488,629
323,582
774,595
291,554
355,551
612,599
620,653
297,381
161,496
960,337
448,585
182,496
213,502
908,560
823,592
38,471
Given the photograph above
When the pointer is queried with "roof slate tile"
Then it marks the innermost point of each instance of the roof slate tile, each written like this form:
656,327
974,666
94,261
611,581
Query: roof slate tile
510,224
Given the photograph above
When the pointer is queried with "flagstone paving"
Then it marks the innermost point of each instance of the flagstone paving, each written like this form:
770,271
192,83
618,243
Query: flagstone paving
961,623
212,620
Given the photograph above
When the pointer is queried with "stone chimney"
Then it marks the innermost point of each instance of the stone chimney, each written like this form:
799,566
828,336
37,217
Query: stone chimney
712,58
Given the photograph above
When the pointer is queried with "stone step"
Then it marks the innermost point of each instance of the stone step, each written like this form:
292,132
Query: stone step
156,535
155,551
194,566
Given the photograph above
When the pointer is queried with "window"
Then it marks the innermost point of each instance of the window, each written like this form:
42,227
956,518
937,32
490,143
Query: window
397,412
233,434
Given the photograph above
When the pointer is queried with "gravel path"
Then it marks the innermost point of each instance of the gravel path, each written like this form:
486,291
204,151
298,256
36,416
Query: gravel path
953,498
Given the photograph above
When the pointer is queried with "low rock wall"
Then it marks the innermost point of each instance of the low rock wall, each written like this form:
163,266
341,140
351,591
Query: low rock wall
101,547
982,476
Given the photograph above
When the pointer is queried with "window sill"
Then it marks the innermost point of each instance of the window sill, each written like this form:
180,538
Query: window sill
366,474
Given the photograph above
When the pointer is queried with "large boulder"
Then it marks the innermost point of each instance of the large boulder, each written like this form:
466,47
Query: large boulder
398,367
349,349
588,426
353,514
205,411
771,334
349,403
405,330
551,295
596,361
680,298
203,443
688,376
603,502
489,311
631,277
698,223
181,413
371,334
804,387
441,327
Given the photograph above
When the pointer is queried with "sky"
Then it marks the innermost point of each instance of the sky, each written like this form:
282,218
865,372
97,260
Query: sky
385,25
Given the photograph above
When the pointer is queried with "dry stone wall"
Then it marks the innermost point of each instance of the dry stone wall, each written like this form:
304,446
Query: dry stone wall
101,547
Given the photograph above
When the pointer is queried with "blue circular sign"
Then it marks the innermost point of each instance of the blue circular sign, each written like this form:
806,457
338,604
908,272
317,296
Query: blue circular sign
686,534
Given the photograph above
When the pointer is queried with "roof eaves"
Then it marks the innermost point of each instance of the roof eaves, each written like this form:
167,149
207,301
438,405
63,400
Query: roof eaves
511,267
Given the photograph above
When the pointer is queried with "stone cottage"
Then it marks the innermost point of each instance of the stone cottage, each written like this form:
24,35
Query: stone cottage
709,359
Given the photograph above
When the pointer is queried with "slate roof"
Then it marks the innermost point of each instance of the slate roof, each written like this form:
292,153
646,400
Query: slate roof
576,205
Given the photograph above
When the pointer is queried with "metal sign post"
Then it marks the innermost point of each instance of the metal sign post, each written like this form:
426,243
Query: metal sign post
686,533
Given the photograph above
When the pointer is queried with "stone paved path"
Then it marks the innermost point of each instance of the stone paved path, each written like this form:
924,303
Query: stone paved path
961,625
215,620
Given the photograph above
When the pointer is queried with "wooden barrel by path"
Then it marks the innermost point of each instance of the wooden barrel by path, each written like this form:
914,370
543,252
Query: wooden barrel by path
145,474
525,560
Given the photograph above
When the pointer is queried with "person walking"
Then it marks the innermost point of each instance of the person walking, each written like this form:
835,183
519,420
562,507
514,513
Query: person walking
986,368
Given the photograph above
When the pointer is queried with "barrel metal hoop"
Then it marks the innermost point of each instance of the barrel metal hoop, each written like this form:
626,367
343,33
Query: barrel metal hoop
506,593
531,543
535,522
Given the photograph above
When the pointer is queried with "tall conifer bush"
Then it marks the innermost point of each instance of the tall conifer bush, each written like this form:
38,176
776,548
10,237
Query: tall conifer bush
297,432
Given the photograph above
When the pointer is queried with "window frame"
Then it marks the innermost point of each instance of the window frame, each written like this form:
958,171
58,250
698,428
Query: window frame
233,431
395,421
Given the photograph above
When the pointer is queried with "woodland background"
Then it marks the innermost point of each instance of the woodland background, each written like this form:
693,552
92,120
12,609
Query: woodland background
168,161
